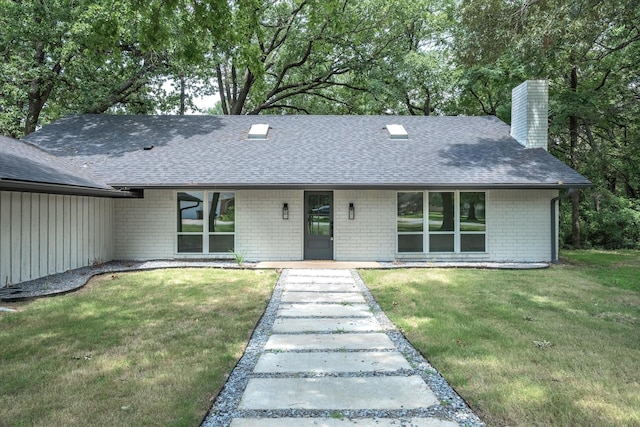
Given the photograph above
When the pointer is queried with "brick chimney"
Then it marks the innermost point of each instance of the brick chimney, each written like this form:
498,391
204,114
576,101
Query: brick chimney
529,113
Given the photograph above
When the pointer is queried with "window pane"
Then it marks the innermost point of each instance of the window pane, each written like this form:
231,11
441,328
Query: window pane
221,243
441,243
190,243
318,214
222,212
410,212
190,212
410,243
441,212
472,212
472,243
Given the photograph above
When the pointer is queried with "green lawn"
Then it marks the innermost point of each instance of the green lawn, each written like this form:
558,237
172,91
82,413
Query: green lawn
559,346
145,348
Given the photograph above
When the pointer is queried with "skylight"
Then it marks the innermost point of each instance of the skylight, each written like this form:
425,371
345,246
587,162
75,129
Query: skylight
397,132
258,131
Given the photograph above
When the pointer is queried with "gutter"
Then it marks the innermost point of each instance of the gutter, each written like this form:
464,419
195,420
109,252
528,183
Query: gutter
74,190
554,212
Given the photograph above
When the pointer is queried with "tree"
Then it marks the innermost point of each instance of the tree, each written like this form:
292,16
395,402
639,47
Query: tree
588,50
291,54
87,56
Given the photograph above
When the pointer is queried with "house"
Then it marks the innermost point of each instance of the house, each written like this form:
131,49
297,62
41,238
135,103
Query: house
100,187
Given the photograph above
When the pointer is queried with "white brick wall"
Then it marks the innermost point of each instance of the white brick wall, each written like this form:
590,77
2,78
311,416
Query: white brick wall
145,228
519,225
43,234
371,236
529,113
261,233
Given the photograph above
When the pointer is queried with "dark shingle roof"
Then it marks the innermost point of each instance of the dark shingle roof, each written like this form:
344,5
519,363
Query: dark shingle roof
301,151
20,161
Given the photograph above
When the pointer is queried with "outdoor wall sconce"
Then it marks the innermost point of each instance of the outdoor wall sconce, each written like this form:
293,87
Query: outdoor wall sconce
285,211
352,211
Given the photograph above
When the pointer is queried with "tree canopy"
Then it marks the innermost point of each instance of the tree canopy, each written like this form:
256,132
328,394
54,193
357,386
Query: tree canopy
418,57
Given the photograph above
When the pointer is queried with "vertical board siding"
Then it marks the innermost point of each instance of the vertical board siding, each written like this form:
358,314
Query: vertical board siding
42,234
5,237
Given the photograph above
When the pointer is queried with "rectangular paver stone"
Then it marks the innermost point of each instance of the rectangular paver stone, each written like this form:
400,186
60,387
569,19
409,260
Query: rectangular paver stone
337,297
324,362
348,341
324,310
321,287
337,393
329,324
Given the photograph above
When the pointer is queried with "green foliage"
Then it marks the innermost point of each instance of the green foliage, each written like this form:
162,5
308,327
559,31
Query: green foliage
609,221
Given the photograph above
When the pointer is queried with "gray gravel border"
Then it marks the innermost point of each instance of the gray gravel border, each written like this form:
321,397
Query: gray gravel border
71,280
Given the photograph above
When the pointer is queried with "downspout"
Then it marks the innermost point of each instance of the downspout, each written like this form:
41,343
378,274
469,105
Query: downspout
554,241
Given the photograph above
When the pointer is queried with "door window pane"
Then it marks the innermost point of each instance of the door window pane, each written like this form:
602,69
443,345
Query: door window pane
319,214
472,212
441,212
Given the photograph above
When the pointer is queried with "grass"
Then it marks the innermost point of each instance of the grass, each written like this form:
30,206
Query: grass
559,346
144,348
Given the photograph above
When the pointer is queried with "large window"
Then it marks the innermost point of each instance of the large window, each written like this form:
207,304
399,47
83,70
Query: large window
206,222
454,221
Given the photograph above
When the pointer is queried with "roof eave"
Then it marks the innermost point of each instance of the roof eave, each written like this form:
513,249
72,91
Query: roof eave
65,189
356,186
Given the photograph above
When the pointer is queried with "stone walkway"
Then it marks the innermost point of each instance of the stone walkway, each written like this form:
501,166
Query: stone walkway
324,354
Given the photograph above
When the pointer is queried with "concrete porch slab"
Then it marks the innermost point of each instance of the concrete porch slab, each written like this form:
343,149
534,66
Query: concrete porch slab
336,297
324,310
340,422
296,325
331,362
348,341
337,393
318,264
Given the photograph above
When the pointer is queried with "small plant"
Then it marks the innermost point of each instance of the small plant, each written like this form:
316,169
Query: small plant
238,257
336,415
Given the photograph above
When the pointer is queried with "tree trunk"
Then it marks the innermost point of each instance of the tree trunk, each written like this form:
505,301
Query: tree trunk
447,212
182,94
472,212
573,155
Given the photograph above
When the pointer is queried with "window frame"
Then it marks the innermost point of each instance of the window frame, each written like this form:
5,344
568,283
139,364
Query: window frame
457,232
205,234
